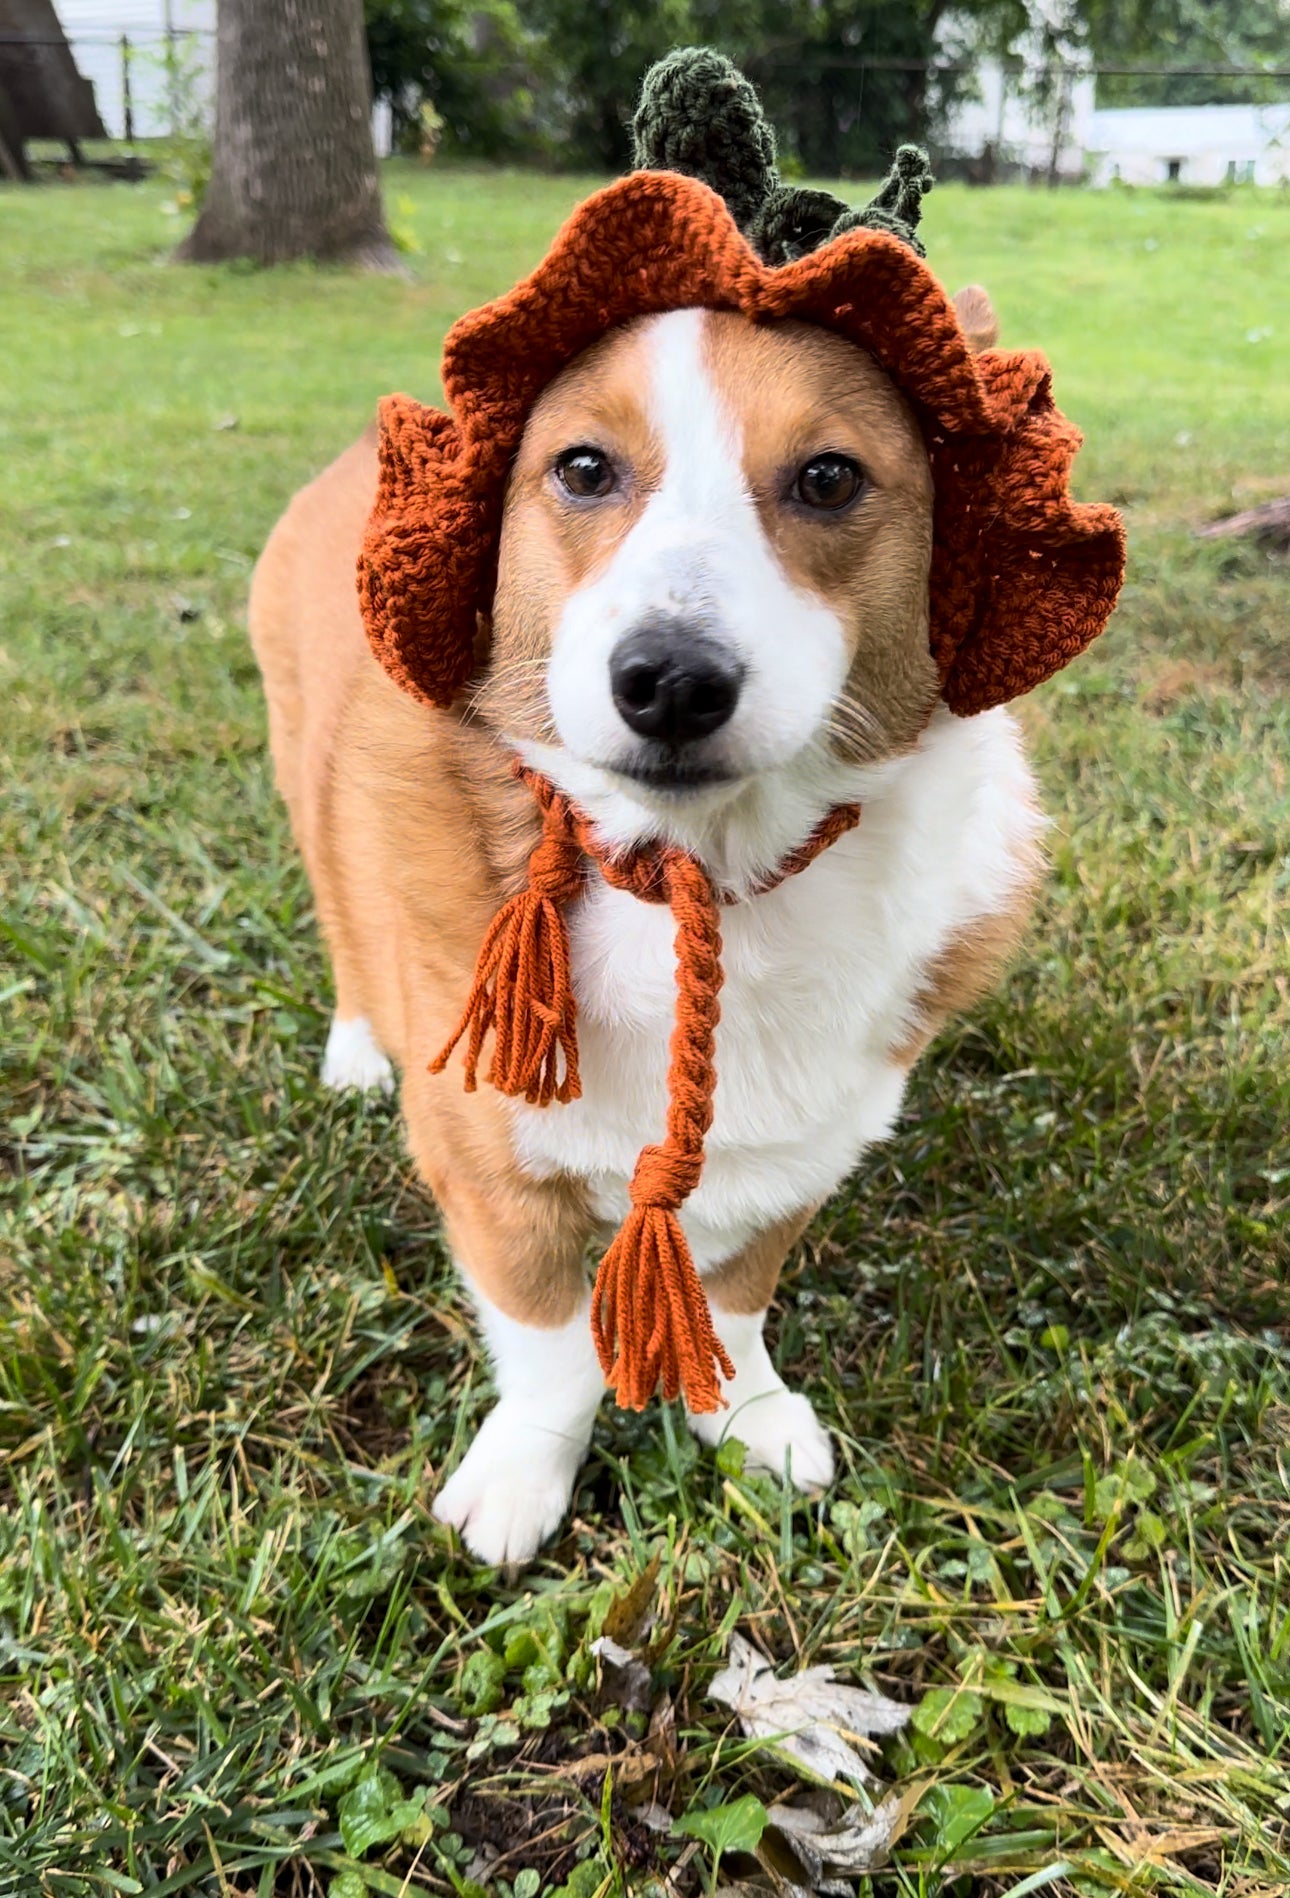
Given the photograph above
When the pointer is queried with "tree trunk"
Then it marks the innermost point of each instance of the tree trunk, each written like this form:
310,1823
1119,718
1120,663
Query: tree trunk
294,172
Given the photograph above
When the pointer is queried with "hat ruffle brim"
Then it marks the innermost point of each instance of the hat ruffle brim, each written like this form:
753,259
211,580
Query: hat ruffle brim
1023,577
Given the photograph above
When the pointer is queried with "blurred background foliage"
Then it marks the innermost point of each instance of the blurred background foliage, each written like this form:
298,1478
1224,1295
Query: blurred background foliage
845,81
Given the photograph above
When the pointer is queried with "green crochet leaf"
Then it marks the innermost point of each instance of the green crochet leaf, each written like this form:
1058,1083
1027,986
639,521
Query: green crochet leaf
699,115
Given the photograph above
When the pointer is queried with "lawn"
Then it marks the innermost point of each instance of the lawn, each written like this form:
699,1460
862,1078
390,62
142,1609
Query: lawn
1049,1321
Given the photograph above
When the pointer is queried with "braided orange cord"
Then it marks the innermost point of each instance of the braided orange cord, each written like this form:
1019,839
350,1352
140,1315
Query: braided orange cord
834,824
649,1315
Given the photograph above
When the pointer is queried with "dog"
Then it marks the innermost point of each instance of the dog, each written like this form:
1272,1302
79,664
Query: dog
710,626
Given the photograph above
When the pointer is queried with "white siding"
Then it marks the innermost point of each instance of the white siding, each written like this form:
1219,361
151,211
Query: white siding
95,27
1002,116
1190,145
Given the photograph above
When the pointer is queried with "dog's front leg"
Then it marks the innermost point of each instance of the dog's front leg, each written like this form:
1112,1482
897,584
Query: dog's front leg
519,1247
514,1485
778,1427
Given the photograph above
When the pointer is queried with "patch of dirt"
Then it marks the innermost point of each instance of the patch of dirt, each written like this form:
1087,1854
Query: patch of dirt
544,1802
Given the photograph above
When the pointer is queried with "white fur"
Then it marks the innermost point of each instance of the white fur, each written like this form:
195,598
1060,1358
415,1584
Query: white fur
353,1058
820,980
821,973
513,1487
778,1428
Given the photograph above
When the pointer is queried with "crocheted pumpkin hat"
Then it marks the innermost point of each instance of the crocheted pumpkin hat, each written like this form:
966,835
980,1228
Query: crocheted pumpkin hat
1022,579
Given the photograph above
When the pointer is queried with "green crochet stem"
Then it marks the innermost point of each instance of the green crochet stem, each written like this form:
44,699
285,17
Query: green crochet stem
698,114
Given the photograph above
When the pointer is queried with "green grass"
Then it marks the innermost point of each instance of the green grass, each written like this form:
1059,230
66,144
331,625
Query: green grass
1048,1322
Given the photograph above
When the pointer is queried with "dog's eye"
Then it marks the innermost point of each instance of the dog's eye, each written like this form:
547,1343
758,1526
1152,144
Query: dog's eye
829,482
585,472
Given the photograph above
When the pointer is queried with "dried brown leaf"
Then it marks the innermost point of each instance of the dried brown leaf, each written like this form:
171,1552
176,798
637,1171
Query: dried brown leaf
626,1767
631,1613
831,1856
625,1679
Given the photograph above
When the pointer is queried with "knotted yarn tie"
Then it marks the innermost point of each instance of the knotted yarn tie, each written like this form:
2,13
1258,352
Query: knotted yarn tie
649,1315
523,986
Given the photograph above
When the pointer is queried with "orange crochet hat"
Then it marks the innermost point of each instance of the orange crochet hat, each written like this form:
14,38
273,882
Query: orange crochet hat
1022,577
1022,580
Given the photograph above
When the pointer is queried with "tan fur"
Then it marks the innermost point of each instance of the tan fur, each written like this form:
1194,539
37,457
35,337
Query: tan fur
976,315
412,831
549,547
410,824
747,1282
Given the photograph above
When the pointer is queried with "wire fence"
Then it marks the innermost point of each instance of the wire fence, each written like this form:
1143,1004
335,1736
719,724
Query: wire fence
145,76
784,62
149,77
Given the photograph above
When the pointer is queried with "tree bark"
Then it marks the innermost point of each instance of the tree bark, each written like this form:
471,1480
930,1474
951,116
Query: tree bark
293,172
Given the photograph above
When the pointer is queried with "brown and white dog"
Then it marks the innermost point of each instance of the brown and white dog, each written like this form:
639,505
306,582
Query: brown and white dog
710,625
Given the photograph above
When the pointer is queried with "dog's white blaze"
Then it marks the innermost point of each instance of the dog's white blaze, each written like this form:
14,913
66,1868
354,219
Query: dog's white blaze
698,552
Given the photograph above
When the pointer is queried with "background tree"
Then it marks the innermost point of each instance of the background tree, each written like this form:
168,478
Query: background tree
1187,33
293,172
595,53
845,81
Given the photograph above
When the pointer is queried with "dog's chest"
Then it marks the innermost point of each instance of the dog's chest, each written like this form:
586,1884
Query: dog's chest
810,997
819,975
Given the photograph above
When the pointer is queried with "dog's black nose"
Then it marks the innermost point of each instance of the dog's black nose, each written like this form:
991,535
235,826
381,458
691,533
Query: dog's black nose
673,684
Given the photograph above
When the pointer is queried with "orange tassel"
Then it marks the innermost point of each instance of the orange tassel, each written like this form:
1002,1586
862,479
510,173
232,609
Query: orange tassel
523,992
650,1318
523,987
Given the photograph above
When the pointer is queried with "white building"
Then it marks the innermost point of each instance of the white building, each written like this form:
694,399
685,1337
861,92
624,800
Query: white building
1006,119
1190,145
169,51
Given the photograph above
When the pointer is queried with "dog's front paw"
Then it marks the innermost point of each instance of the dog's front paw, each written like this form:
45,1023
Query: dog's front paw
513,1487
777,1428
353,1058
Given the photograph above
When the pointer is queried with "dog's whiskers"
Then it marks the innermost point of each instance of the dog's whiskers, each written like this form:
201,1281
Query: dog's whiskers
855,727
503,678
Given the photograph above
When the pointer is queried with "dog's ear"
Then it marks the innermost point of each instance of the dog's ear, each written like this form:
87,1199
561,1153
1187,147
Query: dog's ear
424,569
977,320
